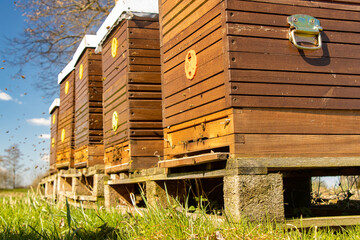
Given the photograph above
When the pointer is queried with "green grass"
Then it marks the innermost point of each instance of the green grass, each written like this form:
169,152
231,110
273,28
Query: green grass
17,190
32,218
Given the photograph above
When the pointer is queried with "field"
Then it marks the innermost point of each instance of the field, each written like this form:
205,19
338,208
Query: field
23,215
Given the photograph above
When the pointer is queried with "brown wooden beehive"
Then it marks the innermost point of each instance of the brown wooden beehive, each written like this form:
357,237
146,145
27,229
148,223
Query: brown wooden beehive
54,113
132,91
65,136
254,94
89,150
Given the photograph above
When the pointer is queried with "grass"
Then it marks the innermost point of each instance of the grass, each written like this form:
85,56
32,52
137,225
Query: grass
17,190
32,218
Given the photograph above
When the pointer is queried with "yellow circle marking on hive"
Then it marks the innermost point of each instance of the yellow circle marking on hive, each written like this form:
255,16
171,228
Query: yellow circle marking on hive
67,86
191,64
53,142
81,71
115,121
63,135
114,47
54,119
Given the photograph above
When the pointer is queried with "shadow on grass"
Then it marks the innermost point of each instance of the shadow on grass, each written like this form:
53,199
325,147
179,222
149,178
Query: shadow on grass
103,232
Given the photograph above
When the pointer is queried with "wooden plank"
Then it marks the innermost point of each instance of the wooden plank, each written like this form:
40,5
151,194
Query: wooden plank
196,101
207,145
187,18
279,7
194,90
315,4
144,77
193,113
199,28
281,21
199,121
330,79
273,89
295,102
334,221
144,148
260,61
199,159
295,145
296,121
199,132
284,47
283,163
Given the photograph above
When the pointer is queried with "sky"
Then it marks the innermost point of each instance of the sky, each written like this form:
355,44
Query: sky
24,112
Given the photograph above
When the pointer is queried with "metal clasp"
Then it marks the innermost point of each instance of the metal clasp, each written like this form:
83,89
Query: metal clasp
305,29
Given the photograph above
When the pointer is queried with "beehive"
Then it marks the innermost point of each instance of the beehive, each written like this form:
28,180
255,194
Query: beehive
54,113
65,136
89,149
248,90
131,84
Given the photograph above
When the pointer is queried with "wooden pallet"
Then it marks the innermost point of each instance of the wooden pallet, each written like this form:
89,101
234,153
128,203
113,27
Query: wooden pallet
81,185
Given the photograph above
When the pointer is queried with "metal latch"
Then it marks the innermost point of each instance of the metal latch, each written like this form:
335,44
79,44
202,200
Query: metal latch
305,31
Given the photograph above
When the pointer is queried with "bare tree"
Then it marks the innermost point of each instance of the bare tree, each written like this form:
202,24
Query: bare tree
12,161
53,30
5,178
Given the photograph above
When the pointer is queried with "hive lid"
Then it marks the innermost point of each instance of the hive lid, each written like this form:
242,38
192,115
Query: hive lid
55,104
89,41
66,71
125,9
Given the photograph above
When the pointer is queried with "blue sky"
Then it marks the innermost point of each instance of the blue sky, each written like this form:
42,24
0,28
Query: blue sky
24,117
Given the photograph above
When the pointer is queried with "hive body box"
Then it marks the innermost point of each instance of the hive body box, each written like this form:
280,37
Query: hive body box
132,88
255,94
65,136
54,112
89,150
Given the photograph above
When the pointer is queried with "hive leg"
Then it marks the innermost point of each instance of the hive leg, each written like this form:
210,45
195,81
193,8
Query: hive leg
254,197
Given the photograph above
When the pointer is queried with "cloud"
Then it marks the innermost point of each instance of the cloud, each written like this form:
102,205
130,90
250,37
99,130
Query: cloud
5,96
39,121
17,101
44,136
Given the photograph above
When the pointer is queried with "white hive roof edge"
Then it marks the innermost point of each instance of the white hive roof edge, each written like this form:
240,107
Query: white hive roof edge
63,74
125,9
55,104
89,41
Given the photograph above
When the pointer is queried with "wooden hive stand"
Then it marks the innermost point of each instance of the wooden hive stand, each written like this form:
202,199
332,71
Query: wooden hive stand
89,150
66,119
133,135
83,185
232,82
48,187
